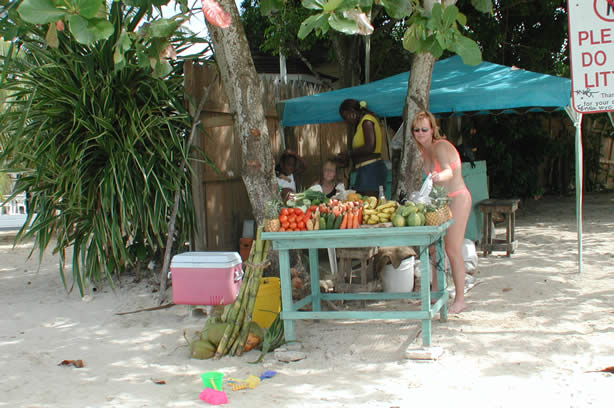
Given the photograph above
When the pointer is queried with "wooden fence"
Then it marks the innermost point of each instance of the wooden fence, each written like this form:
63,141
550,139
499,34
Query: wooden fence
220,198
602,129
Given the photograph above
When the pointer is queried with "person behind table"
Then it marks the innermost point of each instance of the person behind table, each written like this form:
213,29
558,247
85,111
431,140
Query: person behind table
366,149
442,161
288,165
328,178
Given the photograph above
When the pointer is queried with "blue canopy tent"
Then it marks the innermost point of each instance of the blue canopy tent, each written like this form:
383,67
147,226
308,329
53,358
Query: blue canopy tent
456,89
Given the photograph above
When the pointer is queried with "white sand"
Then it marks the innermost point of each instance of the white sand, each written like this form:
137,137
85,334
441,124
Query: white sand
532,330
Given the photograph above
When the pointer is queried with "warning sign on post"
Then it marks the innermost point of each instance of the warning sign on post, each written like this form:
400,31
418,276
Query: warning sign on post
591,40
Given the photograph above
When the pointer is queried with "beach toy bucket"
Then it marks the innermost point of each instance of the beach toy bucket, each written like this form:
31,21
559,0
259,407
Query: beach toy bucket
212,378
268,302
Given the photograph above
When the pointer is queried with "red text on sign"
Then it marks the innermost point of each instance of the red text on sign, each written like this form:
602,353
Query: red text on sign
598,58
601,37
598,79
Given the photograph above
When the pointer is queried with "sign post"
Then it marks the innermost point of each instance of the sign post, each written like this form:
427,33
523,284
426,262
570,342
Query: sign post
591,41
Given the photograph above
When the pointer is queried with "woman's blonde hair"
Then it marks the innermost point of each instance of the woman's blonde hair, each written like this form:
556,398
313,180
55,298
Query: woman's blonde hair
334,164
428,116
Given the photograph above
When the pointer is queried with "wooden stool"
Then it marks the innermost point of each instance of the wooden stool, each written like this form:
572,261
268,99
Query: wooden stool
508,208
343,279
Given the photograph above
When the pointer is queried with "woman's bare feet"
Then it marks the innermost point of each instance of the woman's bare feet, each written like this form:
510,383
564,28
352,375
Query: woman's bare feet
457,307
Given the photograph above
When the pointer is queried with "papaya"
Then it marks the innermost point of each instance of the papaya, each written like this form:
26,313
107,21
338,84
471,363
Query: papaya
202,349
413,220
422,218
398,220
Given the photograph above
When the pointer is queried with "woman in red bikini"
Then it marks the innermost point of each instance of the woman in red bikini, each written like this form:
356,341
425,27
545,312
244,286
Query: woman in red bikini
441,160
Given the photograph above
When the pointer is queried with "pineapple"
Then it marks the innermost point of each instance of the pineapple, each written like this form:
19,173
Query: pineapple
271,216
438,211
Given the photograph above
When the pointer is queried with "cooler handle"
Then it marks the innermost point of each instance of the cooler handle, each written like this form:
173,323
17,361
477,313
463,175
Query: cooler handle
238,274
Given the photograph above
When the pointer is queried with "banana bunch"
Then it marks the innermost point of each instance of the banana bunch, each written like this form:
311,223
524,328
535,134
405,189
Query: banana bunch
375,214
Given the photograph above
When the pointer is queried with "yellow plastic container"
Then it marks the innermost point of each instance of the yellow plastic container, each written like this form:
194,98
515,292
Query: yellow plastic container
268,302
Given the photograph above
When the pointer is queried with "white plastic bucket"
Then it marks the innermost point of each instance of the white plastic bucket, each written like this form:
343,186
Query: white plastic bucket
399,279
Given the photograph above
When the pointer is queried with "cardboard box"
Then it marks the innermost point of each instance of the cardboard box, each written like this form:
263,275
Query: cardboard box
206,278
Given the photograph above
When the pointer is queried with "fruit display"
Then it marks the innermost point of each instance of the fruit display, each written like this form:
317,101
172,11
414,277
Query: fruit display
356,212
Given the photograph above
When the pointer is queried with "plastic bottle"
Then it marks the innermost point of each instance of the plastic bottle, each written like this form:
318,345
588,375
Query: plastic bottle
382,196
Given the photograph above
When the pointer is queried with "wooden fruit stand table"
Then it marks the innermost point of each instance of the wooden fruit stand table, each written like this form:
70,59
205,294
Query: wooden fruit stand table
421,237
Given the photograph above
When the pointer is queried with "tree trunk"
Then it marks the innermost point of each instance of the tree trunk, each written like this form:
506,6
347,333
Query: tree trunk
408,175
346,48
417,99
244,93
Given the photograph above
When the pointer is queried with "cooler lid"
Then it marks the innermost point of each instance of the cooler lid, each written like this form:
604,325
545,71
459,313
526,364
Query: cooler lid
206,259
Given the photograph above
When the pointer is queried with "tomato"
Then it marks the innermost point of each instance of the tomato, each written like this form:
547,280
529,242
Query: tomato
285,224
284,211
293,225
283,218
282,229
301,224
298,211
292,218
313,208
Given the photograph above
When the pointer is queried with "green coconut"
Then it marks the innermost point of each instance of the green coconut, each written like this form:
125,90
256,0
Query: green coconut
202,349
213,332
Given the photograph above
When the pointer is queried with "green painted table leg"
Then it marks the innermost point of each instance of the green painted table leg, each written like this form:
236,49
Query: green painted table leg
425,293
286,293
314,273
441,279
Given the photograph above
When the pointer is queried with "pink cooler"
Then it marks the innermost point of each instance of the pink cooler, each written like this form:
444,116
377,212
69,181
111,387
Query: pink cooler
206,278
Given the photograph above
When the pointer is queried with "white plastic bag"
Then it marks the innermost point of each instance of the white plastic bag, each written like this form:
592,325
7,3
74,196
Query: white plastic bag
422,196
470,255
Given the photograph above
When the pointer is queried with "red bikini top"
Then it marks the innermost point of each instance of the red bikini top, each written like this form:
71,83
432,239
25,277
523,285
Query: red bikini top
437,167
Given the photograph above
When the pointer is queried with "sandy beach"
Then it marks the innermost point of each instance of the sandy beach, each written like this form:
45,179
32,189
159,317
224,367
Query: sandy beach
534,330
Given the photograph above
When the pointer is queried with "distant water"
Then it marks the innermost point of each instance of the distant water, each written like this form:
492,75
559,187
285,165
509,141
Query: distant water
11,222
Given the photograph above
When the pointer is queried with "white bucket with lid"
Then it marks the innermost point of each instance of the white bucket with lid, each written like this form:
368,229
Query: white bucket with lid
399,279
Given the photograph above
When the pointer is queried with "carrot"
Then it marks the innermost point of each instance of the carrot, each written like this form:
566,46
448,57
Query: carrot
360,215
350,219
344,221
356,218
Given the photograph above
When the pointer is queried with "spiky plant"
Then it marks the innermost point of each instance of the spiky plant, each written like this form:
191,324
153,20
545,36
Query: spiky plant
98,149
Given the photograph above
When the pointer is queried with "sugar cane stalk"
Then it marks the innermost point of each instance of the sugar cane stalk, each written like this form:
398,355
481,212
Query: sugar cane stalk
253,279
252,295
232,313
237,312
239,323
246,274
